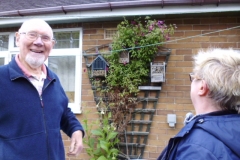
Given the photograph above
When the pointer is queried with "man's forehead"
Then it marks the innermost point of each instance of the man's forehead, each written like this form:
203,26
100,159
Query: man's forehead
34,25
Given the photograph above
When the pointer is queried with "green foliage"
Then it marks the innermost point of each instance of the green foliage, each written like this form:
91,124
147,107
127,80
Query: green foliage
142,39
101,141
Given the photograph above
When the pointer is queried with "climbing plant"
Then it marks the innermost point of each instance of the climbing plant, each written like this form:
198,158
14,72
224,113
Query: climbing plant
117,92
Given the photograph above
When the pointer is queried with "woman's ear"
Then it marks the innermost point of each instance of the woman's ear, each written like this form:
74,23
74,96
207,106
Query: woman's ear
17,35
203,90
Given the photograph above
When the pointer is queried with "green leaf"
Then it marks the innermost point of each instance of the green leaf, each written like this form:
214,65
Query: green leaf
104,145
97,132
111,135
114,151
91,142
102,158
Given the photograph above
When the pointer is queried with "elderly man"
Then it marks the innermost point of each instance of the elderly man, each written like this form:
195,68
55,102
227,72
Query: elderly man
33,104
213,133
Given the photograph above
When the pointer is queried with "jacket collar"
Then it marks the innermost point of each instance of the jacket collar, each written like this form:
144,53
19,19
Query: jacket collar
15,72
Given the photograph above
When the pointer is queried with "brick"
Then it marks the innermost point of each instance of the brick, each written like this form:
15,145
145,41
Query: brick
175,94
183,100
217,26
110,25
233,39
192,33
174,21
201,39
183,64
229,32
167,87
96,36
219,45
209,20
89,31
227,20
176,58
184,27
178,34
183,88
86,36
191,21
201,27
183,51
218,39
89,42
164,112
101,42
100,31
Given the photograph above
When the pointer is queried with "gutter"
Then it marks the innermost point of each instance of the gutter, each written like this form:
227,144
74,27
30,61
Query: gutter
113,5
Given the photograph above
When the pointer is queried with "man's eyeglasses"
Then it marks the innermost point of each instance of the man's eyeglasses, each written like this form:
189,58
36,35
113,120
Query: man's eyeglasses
192,77
34,35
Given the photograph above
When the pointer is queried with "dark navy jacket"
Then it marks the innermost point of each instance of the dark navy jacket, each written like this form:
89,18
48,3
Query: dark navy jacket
30,124
214,136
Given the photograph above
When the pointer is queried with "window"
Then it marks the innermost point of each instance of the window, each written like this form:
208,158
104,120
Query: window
65,60
110,33
1,61
4,39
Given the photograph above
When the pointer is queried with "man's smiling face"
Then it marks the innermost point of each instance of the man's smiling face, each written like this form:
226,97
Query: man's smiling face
34,52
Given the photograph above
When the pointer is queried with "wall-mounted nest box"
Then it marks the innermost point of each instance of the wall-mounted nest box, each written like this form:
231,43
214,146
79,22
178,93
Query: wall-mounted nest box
99,67
124,57
158,72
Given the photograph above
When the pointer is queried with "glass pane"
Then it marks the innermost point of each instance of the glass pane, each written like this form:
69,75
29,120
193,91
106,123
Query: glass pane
64,67
1,61
66,39
4,42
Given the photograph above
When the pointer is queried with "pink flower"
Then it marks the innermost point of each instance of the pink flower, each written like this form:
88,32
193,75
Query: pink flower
167,38
151,28
133,22
160,22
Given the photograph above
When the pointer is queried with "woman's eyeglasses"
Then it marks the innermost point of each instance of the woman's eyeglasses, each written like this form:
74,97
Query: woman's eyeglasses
192,76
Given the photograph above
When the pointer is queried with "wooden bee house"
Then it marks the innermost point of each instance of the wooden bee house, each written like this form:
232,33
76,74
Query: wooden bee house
99,67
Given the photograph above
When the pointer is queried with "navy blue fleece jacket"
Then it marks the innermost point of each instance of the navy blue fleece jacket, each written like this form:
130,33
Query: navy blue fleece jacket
30,124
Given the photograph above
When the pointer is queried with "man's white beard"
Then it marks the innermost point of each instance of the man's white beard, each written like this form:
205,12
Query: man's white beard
35,61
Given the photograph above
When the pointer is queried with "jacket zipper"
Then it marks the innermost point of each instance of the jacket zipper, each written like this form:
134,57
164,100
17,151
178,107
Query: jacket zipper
45,126
44,119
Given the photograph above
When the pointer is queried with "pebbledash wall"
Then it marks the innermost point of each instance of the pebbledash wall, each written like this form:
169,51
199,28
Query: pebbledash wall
192,34
174,97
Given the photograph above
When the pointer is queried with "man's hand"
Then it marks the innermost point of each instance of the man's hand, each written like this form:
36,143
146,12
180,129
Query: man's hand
76,144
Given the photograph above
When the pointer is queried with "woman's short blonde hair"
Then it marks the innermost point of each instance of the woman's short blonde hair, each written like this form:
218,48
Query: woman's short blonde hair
220,68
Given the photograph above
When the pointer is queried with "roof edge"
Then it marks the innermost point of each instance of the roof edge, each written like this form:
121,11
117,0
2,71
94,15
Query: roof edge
111,6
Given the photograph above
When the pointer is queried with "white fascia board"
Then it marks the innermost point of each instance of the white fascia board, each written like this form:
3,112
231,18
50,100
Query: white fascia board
96,15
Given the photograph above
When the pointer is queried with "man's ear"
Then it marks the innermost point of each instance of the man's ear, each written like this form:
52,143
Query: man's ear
203,89
53,43
17,35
